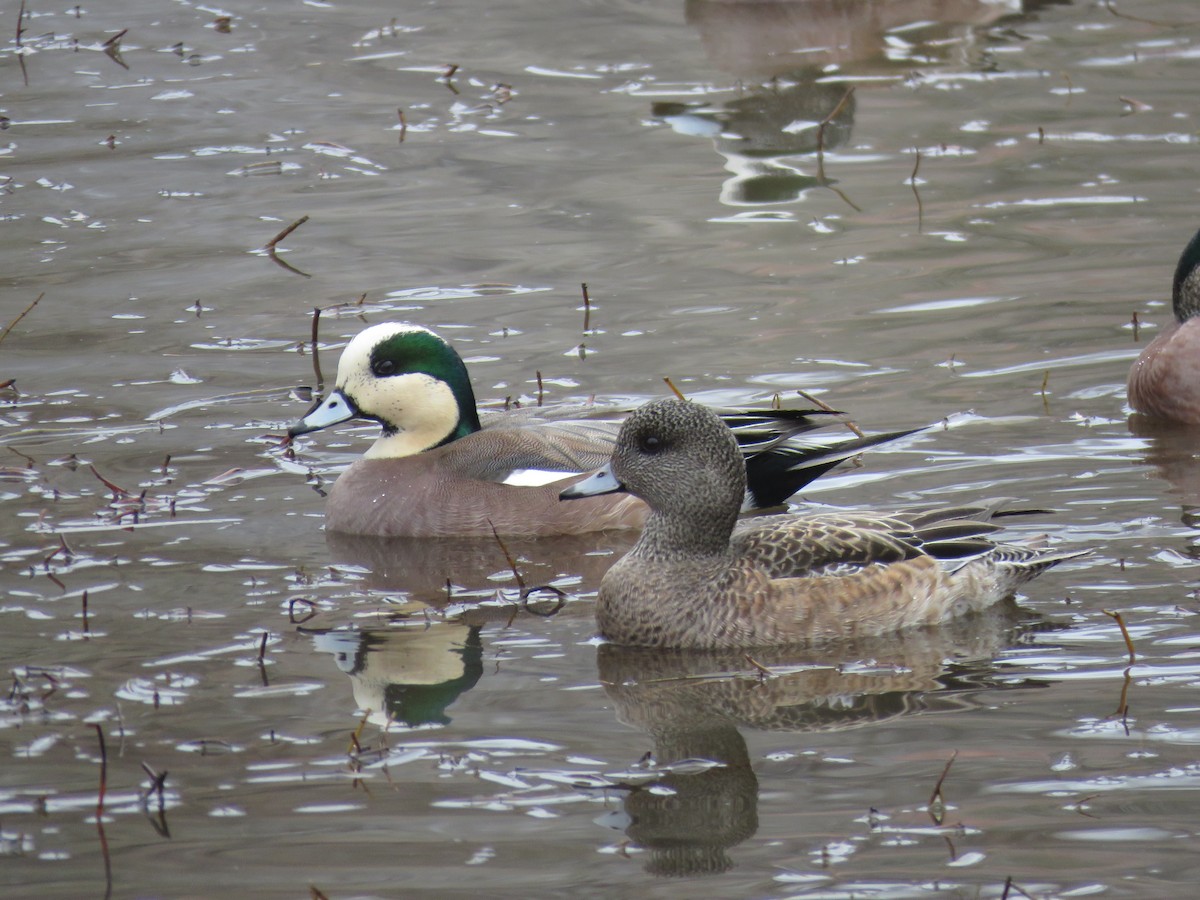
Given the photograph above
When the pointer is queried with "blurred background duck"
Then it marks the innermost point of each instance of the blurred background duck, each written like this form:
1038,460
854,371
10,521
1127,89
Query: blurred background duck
696,578
1164,382
441,469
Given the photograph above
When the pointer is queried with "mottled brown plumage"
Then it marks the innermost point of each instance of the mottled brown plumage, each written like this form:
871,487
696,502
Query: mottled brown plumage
697,578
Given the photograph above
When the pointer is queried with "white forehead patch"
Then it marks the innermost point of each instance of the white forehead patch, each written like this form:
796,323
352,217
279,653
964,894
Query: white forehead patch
355,362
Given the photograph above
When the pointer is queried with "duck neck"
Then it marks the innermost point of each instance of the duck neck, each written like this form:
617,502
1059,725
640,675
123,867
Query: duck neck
704,535
1185,291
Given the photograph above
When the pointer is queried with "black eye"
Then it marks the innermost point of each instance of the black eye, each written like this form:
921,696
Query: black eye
651,443
383,367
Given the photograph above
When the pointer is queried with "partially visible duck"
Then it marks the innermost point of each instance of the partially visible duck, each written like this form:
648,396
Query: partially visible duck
696,578
441,469
1164,383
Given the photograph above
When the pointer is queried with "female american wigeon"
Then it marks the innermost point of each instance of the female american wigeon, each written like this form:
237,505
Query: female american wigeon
1164,383
438,469
697,579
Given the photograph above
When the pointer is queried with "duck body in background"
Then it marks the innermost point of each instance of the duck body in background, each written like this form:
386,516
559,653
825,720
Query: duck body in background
1164,382
439,468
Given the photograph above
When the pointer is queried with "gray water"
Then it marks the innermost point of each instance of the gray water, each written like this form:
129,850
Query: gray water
665,154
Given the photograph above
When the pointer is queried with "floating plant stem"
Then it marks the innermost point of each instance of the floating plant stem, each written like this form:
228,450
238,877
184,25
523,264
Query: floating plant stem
1108,4
117,490
762,670
937,801
829,118
103,771
1137,326
512,563
674,390
316,325
1010,886
1120,620
912,182
587,308
541,390
9,327
271,245
825,407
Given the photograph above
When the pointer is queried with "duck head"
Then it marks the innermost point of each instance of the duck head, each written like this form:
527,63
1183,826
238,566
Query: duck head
407,379
1185,288
685,463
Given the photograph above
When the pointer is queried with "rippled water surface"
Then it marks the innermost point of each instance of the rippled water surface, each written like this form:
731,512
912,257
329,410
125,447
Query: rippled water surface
967,239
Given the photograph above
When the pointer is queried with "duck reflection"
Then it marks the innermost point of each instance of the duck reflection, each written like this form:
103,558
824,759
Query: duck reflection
423,566
793,46
1173,449
692,705
409,675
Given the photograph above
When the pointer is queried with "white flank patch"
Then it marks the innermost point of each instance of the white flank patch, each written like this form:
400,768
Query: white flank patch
535,477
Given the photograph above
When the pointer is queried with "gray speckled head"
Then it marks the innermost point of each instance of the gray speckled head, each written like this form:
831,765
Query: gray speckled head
682,460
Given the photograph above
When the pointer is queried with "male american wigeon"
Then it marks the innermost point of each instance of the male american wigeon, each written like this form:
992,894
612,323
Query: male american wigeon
439,469
1164,383
697,579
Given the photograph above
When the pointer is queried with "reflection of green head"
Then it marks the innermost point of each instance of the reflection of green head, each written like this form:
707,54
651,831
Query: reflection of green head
425,704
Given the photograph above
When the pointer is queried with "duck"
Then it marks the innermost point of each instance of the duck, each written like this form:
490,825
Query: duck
1164,381
697,578
440,468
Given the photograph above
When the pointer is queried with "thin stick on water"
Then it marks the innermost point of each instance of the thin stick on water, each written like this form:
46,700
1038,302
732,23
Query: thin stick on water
762,670
1108,4
512,563
825,407
1120,620
11,325
912,182
316,326
829,118
937,801
587,308
103,772
271,245
674,390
